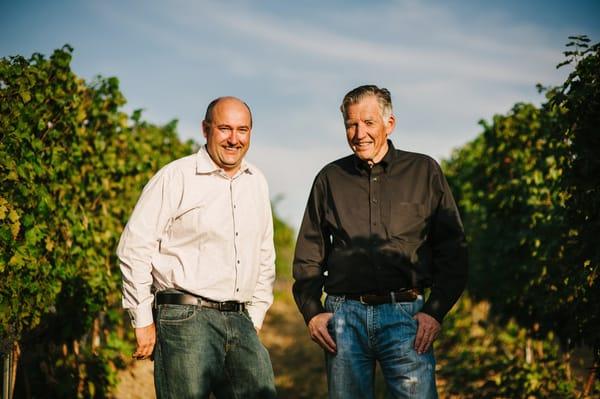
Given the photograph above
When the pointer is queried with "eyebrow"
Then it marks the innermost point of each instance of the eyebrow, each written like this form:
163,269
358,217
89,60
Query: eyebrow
225,125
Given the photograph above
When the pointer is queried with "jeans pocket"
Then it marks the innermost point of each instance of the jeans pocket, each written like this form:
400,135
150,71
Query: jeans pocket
410,309
173,314
333,303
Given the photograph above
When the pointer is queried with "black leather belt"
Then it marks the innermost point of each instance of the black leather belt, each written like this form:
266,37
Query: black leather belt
404,295
180,298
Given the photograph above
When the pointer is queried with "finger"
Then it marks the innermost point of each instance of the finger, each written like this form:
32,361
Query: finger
144,351
323,343
137,352
423,346
148,350
419,337
427,340
318,336
327,340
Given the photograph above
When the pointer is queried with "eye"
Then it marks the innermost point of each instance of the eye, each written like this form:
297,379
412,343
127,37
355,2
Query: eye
225,129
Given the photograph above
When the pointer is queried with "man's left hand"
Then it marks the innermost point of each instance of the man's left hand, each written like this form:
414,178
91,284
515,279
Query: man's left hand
427,332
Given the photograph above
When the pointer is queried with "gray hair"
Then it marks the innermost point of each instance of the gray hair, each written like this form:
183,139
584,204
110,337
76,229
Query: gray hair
382,95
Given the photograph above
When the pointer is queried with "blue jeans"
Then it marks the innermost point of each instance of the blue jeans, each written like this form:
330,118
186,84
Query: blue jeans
201,350
384,333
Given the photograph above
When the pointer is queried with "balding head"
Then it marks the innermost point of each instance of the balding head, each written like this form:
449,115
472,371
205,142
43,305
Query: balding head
227,99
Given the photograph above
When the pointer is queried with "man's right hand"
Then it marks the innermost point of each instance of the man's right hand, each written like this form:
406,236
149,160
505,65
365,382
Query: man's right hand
317,326
146,338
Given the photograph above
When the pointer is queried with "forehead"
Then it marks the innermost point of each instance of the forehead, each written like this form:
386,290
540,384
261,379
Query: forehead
231,111
366,107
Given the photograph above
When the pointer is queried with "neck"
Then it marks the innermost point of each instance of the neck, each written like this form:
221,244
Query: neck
377,158
231,171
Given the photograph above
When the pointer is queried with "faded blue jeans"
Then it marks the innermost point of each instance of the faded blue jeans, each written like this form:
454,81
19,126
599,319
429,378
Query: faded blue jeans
384,333
200,350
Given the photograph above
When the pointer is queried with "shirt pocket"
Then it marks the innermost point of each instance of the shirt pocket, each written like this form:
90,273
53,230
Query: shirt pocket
407,220
187,222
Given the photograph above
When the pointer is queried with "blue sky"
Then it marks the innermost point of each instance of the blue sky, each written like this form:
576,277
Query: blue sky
448,64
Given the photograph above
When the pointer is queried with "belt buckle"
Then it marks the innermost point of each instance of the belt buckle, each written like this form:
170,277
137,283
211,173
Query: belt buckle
360,298
228,306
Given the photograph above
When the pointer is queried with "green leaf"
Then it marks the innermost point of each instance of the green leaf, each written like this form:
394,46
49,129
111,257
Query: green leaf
25,96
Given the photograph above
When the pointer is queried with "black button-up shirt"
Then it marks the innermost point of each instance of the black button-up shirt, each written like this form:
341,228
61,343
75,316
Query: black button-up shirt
379,229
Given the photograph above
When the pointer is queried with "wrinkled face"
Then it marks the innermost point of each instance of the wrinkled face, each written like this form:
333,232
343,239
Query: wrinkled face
367,131
228,134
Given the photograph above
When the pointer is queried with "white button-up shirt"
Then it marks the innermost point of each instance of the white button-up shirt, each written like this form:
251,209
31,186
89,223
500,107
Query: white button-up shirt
197,229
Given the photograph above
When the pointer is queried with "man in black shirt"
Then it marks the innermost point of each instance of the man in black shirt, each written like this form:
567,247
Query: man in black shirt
380,226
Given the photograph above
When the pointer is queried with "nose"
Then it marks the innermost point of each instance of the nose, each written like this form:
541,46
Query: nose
232,139
361,131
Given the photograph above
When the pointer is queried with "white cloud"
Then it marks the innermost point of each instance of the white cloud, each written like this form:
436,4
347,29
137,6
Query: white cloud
293,67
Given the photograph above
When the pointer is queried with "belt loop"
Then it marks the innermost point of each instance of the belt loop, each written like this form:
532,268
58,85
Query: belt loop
393,295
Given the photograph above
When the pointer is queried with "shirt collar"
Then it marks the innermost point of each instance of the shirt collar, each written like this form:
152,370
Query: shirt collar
205,164
387,159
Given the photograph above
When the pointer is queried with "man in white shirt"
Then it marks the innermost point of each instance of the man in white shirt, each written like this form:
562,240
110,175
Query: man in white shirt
201,239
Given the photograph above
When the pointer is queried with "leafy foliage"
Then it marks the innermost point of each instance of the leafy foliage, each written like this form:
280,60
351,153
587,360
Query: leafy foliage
529,190
481,357
72,165
71,168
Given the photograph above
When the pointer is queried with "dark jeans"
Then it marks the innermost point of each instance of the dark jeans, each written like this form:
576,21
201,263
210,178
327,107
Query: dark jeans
202,350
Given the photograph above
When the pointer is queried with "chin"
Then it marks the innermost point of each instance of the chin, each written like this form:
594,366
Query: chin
364,156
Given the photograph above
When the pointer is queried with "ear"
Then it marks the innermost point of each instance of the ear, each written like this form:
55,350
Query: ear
205,129
390,124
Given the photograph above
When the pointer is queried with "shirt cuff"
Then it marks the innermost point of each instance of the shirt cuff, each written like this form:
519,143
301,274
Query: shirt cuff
257,315
142,316
433,309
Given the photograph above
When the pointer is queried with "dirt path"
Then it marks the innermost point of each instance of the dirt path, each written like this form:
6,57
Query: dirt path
297,361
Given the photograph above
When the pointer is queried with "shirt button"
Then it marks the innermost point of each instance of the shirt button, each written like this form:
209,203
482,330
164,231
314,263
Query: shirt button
374,179
374,200
237,290
238,262
236,233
